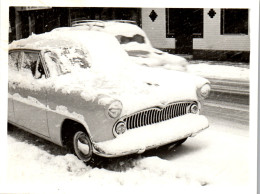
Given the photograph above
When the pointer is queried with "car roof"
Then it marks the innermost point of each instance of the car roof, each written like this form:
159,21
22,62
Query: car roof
56,39
100,22
112,27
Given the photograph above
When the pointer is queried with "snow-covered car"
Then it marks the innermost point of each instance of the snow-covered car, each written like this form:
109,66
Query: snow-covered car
68,89
134,41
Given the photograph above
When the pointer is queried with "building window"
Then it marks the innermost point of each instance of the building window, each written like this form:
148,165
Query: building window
188,21
234,21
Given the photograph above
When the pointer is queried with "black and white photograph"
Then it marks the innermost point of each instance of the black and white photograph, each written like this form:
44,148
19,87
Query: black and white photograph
150,98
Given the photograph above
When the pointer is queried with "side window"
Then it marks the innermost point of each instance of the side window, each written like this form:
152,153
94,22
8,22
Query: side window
13,60
32,63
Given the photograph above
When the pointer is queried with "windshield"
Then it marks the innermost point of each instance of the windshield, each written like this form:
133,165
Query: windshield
63,59
88,50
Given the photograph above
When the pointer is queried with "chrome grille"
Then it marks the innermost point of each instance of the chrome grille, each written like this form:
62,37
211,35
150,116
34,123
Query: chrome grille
156,115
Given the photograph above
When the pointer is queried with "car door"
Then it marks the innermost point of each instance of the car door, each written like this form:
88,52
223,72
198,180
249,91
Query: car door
13,60
29,96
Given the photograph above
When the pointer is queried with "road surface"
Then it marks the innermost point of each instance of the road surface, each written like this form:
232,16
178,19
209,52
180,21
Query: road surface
238,113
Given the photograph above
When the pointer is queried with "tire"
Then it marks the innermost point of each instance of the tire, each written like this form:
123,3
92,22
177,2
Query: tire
82,146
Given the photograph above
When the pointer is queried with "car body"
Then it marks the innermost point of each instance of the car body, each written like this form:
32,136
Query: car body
134,41
67,89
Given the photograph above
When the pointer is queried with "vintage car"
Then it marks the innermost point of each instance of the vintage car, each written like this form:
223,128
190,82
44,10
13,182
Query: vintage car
134,41
77,90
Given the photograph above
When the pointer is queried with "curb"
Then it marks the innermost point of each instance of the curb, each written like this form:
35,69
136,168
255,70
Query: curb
230,86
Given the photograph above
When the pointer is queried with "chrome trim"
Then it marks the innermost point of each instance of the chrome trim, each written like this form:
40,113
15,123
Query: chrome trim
156,114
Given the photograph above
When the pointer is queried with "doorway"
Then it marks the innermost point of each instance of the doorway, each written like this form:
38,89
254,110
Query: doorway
184,25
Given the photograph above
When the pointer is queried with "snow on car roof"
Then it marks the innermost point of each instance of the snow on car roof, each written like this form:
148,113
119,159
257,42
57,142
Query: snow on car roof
114,27
111,27
56,39
93,42
124,29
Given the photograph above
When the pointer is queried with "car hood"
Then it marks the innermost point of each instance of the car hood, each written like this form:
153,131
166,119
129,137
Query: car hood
158,87
137,88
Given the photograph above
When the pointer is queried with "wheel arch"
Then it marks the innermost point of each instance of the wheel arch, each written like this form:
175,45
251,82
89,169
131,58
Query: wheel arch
69,127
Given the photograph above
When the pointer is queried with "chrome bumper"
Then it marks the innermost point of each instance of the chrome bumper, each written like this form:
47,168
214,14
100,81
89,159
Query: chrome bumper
151,136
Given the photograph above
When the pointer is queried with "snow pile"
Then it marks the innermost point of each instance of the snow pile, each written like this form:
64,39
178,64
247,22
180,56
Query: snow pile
219,71
202,164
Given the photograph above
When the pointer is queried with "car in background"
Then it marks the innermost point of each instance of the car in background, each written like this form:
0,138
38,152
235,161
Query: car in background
80,90
134,41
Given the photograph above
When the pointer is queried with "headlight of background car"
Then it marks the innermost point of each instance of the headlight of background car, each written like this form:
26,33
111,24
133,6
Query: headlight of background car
204,91
115,109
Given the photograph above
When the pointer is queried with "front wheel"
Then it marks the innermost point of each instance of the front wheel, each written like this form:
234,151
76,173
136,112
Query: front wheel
82,146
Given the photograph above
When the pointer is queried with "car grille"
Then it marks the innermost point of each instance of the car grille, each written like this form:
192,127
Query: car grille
156,115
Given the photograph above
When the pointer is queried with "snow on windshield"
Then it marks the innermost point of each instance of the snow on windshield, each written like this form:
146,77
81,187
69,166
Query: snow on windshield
62,60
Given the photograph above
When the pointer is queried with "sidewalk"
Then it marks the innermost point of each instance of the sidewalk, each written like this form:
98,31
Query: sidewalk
220,70
229,80
225,63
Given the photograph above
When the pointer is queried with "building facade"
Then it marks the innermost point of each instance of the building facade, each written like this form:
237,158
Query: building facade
212,34
203,33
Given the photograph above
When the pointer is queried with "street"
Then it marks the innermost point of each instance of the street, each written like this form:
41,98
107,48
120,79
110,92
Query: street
227,110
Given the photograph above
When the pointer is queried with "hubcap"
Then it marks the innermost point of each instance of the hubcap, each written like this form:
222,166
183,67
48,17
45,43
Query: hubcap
83,145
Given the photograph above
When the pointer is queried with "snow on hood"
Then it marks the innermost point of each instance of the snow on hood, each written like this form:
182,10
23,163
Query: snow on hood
111,74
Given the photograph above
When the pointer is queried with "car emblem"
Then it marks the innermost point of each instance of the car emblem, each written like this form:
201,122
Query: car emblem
163,104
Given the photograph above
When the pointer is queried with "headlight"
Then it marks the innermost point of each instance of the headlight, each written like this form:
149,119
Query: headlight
115,109
120,128
194,108
204,91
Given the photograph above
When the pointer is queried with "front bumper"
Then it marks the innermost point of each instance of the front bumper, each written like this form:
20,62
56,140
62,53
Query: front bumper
151,136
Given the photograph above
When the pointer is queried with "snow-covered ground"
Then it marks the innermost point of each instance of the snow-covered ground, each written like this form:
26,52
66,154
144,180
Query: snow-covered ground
216,159
228,71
